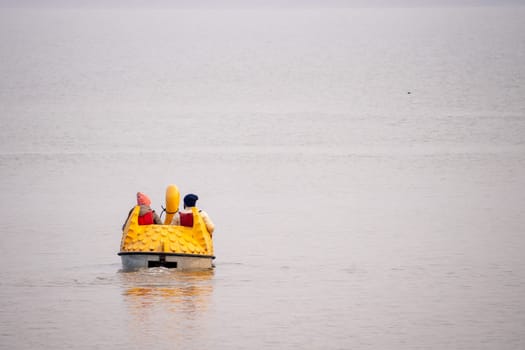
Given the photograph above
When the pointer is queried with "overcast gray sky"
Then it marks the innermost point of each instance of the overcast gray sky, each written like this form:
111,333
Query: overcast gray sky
255,3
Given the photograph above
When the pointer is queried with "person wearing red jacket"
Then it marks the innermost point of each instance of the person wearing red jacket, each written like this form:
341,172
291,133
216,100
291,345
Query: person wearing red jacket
147,216
185,217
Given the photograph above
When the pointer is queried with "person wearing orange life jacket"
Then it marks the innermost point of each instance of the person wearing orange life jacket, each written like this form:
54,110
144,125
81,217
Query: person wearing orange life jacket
185,217
147,216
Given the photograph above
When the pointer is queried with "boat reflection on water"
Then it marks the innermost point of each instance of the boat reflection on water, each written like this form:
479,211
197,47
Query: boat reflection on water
183,289
161,296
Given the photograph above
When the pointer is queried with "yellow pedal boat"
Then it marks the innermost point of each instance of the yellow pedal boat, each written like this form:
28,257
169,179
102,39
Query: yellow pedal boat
178,247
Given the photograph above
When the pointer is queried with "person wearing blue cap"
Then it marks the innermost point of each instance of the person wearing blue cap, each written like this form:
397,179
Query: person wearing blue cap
185,216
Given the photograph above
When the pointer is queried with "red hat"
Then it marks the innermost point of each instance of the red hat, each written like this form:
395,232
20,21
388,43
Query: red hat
142,199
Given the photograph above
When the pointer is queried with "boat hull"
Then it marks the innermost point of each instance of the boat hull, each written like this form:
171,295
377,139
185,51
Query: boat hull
138,260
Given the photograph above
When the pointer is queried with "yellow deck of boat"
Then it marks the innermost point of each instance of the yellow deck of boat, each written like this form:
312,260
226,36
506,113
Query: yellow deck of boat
166,239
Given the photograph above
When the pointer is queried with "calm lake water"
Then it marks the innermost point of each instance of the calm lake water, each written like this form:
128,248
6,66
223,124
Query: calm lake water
365,169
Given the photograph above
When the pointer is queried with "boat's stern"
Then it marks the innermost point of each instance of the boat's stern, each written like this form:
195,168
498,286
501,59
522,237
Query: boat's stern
170,246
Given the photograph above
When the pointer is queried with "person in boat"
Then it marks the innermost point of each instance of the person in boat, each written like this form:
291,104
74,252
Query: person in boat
185,216
147,216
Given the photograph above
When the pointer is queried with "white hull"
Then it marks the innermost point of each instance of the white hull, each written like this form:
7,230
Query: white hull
135,261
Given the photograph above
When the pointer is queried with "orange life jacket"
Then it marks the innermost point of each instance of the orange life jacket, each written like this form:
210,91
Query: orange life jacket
146,219
186,219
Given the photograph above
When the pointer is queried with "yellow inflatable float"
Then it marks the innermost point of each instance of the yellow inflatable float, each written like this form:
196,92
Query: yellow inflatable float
170,246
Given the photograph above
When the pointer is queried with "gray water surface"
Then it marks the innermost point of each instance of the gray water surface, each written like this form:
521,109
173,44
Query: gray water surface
364,168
